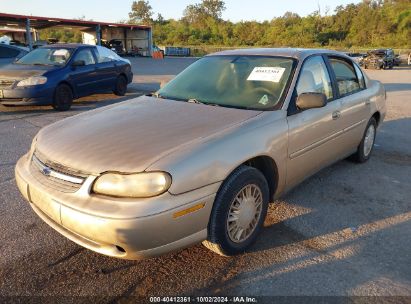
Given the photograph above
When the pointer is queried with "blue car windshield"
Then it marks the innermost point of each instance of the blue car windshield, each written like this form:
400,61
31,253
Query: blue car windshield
46,56
247,82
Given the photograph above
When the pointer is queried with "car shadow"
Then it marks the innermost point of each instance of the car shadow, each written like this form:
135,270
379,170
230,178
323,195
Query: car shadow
344,231
403,67
83,104
340,227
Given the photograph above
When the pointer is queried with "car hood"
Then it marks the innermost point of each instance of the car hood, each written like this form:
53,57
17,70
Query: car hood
20,71
129,137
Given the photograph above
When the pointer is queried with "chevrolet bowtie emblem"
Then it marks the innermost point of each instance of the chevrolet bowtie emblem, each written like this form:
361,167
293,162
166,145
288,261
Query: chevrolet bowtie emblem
46,171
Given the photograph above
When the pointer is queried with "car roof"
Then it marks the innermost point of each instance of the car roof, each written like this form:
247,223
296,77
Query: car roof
297,53
17,47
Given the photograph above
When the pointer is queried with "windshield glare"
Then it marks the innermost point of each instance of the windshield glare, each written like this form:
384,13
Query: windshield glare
46,56
250,82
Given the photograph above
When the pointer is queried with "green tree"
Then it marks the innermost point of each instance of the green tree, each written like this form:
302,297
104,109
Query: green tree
141,12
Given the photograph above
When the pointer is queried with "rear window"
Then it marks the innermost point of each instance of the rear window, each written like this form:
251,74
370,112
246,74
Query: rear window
105,55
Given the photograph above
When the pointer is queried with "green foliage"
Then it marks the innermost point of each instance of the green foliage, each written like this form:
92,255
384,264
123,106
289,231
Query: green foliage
371,23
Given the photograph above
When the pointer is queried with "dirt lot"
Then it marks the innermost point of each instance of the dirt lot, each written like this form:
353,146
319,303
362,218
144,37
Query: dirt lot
345,231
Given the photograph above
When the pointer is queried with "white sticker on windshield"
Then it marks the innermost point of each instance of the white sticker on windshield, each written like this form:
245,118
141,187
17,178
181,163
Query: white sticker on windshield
272,74
61,52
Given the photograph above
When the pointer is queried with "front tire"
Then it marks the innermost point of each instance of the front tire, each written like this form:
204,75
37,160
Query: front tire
120,88
238,213
366,146
63,98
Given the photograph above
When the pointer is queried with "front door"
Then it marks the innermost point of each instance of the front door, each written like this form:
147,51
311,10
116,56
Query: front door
84,78
314,134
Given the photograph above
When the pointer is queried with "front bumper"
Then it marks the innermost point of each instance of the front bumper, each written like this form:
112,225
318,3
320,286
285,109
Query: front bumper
26,96
127,230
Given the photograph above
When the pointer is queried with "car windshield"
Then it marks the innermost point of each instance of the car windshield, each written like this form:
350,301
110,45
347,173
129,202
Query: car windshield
248,82
46,56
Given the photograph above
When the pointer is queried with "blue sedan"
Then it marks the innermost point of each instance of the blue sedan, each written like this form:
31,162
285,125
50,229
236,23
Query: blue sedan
57,74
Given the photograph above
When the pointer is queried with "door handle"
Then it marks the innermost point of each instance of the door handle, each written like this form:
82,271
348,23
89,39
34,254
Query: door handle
336,115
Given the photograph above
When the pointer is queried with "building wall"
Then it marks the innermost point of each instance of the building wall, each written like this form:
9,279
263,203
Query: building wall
133,39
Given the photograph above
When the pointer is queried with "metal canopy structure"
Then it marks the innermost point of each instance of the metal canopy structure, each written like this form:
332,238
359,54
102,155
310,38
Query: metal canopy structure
38,23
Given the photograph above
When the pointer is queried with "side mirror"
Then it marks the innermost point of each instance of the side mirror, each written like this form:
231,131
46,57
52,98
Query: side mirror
307,101
78,63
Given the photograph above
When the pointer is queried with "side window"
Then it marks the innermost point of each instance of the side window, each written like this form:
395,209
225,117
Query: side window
105,55
86,55
6,52
314,78
360,77
347,81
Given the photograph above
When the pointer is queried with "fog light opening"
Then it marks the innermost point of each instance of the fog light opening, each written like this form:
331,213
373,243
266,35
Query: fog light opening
121,249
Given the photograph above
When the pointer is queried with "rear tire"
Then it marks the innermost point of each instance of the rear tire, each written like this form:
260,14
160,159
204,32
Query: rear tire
238,213
63,98
120,88
366,146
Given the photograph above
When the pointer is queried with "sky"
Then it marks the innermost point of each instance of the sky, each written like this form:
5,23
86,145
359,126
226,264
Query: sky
116,10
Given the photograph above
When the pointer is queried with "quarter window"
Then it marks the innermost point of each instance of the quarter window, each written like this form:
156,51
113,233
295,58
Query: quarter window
346,76
314,78
86,55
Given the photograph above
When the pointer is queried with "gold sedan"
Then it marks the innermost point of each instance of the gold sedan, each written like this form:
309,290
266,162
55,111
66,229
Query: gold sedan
200,160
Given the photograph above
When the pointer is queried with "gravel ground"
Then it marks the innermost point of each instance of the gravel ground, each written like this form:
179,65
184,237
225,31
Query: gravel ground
343,232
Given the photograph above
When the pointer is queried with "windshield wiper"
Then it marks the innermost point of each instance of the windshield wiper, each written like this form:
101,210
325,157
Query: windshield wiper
193,100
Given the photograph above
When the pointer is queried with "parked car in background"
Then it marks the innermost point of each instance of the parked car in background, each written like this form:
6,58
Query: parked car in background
117,46
201,159
397,60
52,40
379,59
9,53
357,57
57,74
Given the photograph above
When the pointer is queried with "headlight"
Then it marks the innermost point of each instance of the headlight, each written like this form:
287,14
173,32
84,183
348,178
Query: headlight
140,185
32,81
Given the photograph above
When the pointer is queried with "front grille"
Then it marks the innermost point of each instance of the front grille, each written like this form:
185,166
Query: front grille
56,176
6,83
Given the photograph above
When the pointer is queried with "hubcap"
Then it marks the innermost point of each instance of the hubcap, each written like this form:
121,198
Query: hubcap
369,140
244,214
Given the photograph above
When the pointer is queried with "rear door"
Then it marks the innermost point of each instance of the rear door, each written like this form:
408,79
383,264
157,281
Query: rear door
314,134
84,78
354,98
